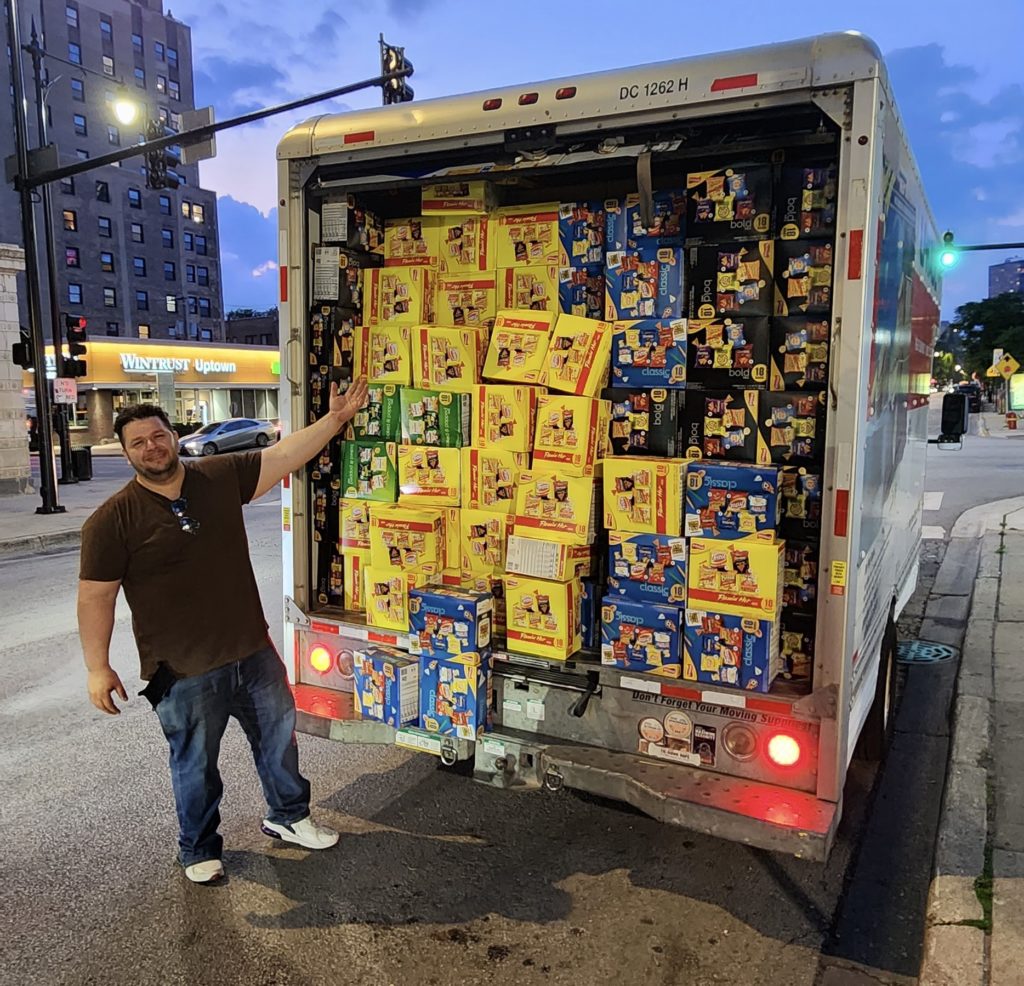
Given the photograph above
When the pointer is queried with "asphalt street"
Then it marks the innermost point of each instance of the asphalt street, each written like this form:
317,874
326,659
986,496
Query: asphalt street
437,880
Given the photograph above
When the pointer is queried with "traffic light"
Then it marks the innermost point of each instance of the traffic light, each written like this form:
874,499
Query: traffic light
23,353
392,59
161,164
949,255
74,332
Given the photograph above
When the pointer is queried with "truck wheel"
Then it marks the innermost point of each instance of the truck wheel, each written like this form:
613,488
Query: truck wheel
878,727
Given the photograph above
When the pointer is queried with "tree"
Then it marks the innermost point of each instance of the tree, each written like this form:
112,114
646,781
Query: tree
995,323
942,369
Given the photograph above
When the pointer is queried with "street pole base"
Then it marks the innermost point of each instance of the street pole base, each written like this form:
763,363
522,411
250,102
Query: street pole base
58,509
68,481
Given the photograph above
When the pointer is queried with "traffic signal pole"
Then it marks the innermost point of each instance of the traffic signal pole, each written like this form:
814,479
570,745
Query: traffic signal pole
47,472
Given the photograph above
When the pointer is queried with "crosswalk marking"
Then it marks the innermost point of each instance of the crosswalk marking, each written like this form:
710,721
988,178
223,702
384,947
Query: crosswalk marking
932,501
933,533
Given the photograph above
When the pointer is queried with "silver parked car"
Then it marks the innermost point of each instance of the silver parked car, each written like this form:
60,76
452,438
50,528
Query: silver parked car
228,436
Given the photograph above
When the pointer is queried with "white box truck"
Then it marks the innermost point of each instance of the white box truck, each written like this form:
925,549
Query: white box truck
763,769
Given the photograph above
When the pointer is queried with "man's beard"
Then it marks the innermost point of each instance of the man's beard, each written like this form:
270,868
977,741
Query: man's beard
160,475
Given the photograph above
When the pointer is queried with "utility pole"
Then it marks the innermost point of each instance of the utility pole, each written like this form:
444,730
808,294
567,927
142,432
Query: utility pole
47,473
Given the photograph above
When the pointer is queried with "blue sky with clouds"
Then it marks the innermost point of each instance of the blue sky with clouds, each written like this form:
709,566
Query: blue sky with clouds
956,70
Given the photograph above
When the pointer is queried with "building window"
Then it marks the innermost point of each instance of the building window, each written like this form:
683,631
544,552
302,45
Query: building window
139,266
71,257
67,186
106,29
102,191
186,208
137,43
204,307
108,65
140,77
170,271
172,57
190,273
134,198
198,213
107,263
172,304
161,83
158,50
176,122
201,245
74,53
204,277
82,155
165,206
189,240
78,90
113,135
142,301
167,238
109,298
80,125
71,13
192,307
75,294
71,220
113,329
104,225
143,331
137,235
173,90
165,116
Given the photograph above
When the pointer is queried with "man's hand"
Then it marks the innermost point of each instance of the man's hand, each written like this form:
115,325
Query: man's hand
101,684
343,407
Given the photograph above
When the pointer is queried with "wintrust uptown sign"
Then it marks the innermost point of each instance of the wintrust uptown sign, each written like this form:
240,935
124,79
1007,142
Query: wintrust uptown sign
134,363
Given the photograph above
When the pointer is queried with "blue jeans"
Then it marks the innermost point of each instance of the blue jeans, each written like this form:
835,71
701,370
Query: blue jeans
194,714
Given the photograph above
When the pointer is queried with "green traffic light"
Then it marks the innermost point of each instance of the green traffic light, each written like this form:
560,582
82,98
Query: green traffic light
948,258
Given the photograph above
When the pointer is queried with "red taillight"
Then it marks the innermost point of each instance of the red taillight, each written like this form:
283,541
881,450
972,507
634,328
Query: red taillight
320,659
566,93
528,98
783,750
492,104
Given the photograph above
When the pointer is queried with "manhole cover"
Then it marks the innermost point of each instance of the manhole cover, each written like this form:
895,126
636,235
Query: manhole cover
923,652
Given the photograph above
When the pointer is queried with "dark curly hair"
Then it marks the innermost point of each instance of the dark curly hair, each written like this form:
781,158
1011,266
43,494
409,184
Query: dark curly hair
139,412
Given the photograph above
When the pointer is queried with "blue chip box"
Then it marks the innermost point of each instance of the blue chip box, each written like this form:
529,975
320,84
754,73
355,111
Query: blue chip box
649,352
581,291
624,224
639,636
737,651
455,695
647,567
386,685
449,622
581,233
729,501
644,283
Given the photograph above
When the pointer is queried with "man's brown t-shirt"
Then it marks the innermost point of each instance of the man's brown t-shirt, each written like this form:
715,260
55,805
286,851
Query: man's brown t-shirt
193,597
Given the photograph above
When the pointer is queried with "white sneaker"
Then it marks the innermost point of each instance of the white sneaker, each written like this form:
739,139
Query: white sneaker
303,833
206,871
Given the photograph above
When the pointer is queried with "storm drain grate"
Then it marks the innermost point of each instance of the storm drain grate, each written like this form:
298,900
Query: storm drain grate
923,652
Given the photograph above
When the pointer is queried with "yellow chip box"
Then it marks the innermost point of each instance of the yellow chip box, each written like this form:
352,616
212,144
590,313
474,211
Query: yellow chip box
451,523
382,354
556,507
466,244
484,535
542,617
518,349
399,295
354,524
490,477
355,561
545,559
406,537
571,434
534,287
503,415
467,299
644,495
738,578
457,198
429,475
412,242
447,358
527,235
387,594
578,355
495,585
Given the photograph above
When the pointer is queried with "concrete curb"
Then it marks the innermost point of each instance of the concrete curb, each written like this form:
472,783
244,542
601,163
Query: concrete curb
39,544
955,948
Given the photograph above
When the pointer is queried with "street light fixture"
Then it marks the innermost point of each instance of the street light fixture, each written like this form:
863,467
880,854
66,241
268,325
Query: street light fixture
126,110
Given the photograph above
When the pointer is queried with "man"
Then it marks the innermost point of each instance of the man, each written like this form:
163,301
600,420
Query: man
173,531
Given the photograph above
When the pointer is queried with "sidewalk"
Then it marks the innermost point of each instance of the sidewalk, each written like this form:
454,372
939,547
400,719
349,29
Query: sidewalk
975,934
992,425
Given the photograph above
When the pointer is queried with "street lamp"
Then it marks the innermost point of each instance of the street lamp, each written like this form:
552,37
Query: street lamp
126,110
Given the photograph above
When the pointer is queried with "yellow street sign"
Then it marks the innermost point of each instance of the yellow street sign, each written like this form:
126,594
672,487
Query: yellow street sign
992,371
1007,366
